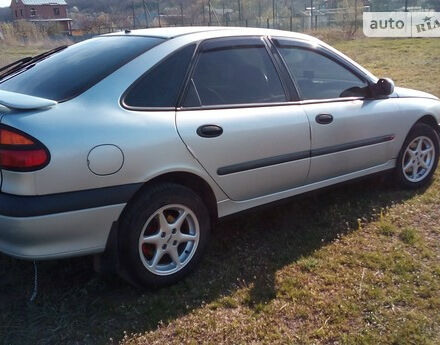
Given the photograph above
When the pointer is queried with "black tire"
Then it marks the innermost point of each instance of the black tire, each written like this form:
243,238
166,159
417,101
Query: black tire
154,201
420,130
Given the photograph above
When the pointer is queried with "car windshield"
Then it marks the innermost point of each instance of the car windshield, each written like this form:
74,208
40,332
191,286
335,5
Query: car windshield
71,71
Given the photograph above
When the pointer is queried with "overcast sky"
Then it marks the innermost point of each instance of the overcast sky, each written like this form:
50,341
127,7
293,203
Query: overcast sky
5,3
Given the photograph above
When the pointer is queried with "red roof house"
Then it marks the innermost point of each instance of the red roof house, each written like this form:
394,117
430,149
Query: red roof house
48,12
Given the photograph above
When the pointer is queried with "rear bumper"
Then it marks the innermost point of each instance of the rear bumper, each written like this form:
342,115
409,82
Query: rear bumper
58,235
60,225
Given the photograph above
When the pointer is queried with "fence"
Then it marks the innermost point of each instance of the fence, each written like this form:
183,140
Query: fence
296,23
279,16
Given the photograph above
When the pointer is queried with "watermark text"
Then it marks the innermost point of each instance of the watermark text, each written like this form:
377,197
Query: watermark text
402,24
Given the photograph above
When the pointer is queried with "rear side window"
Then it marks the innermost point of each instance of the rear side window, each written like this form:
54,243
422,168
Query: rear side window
234,75
73,70
160,86
319,77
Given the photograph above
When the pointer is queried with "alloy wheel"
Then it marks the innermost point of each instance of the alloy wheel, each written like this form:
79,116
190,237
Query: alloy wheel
169,239
418,159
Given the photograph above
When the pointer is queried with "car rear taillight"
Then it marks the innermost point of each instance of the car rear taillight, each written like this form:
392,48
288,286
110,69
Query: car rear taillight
20,152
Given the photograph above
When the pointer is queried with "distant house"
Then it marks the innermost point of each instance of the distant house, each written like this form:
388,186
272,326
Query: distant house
44,12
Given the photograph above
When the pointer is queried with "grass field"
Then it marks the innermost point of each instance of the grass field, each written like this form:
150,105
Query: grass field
355,264
9,53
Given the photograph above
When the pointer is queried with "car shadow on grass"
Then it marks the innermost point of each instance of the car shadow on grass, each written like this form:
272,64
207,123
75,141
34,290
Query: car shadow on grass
74,305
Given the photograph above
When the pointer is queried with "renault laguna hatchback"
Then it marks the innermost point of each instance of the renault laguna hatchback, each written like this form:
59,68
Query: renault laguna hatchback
129,146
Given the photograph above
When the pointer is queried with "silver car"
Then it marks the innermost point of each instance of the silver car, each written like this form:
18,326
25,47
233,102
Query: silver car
129,146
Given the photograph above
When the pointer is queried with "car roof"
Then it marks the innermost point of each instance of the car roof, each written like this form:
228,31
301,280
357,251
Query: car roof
195,33
171,32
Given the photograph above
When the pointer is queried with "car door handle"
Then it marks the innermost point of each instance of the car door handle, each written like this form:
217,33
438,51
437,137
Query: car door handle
324,119
209,131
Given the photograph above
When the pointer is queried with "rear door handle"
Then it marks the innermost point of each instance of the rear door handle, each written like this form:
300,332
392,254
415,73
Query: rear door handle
209,131
324,119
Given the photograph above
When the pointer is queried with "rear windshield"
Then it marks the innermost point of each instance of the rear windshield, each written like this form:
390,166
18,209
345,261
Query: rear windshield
72,71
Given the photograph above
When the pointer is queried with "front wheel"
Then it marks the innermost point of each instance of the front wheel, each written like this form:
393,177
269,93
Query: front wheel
163,234
418,157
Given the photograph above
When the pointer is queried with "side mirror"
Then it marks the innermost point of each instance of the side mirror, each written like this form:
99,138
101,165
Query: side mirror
383,87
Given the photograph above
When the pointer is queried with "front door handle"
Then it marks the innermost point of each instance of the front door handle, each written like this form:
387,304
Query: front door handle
209,131
324,119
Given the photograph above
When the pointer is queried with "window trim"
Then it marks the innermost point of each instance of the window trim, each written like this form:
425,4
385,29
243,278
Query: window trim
265,105
234,42
283,72
305,45
264,41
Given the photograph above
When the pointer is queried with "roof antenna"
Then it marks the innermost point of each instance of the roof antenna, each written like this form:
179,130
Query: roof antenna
35,292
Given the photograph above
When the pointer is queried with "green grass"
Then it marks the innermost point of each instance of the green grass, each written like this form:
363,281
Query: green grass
409,235
358,264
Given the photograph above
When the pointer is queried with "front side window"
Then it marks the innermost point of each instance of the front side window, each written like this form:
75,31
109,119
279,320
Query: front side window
161,85
234,75
73,70
319,77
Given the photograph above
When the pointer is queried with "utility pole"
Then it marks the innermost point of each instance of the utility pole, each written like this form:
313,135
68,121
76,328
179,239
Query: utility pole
273,13
311,14
209,10
406,5
144,5
181,14
239,10
355,15
158,13
203,11
134,17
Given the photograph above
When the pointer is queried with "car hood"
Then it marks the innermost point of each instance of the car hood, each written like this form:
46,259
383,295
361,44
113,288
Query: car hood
409,93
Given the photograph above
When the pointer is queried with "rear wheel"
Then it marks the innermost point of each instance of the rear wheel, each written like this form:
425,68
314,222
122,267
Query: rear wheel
163,235
418,157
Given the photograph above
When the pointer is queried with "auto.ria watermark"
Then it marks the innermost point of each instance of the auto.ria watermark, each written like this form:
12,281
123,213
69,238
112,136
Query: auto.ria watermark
402,24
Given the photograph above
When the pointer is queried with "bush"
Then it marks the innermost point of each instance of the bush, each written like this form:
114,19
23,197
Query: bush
22,33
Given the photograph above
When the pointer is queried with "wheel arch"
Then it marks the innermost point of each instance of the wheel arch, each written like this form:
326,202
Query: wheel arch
192,181
431,121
